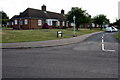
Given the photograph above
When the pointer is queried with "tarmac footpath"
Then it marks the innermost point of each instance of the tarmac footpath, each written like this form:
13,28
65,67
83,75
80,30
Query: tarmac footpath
48,43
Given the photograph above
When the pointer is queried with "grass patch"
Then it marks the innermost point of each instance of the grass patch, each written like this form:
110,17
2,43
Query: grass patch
117,36
5,28
12,36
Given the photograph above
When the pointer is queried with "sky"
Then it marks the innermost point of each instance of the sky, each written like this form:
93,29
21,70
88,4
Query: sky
93,7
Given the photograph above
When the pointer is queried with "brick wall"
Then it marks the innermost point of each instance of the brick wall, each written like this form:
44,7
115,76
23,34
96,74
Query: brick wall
33,24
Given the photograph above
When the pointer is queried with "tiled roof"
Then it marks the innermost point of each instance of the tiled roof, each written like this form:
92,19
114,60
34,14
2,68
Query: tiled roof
15,16
35,13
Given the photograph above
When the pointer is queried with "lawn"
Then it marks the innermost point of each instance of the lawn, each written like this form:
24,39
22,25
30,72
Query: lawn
5,28
117,36
12,36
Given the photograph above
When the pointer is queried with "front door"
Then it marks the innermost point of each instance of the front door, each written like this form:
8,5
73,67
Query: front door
21,24
54,24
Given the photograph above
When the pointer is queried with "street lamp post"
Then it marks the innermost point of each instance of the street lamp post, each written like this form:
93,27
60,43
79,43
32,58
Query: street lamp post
74,24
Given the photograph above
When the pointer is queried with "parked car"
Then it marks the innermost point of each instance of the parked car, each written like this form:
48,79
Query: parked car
111,29
114,29
108,29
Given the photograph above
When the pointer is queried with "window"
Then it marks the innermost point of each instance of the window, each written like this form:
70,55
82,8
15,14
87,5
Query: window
93,25
49,22
15,21
58,23
26,21
39,22
63,23
21,23
67,23
12,23
72,24
7,23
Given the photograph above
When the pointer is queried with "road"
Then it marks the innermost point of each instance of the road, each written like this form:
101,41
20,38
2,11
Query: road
96,57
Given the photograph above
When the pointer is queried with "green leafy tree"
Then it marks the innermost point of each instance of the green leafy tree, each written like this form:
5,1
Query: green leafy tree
81,16
5,18
117,23
100,20
88,20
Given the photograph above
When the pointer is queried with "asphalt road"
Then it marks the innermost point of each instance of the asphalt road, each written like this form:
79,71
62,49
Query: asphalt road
86,59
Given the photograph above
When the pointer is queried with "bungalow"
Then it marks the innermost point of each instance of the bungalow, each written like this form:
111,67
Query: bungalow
37,19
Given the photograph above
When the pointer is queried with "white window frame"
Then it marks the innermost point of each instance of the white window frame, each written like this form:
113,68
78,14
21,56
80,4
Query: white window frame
63,23
49,22
67,23
12,23
39,22
7,23
16,22
72,24
93,25
58,23
26,21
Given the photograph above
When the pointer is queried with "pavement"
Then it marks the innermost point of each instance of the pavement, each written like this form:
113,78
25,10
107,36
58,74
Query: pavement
48,43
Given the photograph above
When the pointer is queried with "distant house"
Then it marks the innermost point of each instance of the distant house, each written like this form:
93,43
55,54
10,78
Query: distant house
37,19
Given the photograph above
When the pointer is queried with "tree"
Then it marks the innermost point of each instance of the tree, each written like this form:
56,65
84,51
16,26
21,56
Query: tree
88,20
100,20
81,16
5,18
117,23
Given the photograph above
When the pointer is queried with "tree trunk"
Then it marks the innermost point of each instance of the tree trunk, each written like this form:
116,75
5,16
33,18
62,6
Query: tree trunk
90,26
95,25
101,27
77,27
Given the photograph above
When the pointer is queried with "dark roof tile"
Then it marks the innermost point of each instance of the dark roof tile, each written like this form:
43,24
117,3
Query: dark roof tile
35,13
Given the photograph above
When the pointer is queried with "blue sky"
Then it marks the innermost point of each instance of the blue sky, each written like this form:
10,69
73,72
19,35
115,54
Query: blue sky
93,7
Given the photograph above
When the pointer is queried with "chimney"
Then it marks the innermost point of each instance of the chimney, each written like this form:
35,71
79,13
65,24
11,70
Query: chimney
20,13
44,7
62,11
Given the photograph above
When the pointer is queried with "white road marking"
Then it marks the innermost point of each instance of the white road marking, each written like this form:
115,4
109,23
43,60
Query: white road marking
109,50
103,45
103,36
103,48
102,41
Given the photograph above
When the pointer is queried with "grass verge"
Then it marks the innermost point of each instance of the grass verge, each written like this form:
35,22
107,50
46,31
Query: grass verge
117,36
12,36
5,28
